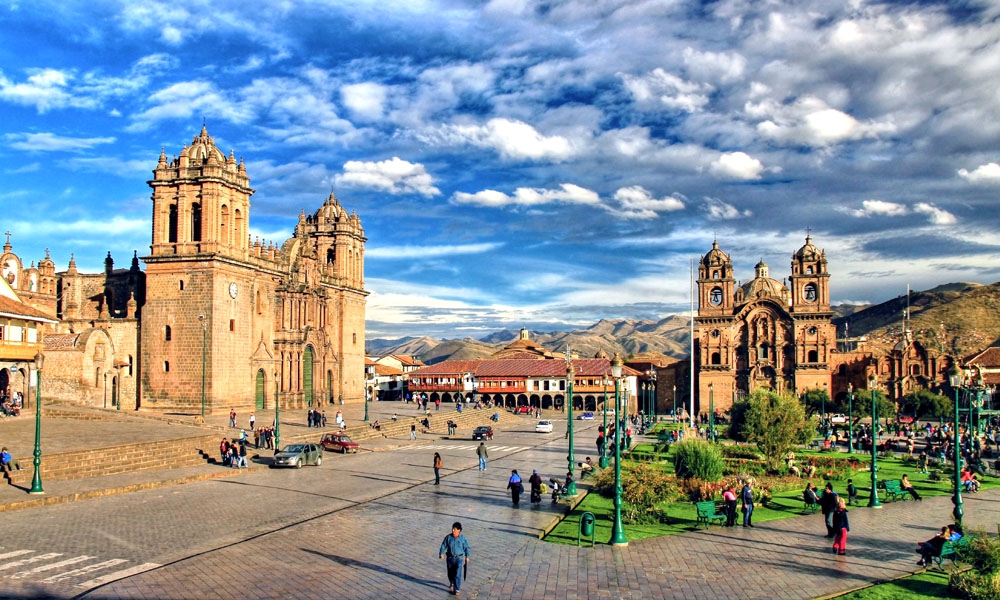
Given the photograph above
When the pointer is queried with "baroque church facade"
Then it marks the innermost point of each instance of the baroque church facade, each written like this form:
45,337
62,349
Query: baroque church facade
214,317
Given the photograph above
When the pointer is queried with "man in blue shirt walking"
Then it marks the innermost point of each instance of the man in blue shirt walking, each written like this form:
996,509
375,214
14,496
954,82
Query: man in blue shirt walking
455,548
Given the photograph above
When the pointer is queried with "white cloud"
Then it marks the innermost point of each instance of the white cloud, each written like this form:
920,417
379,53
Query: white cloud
871,208
988,173
638,203
566,194
512,139
50,142
935,215
736,165
414,252
185,99
660,89
810,121
365,100
721,211
715,66
394,176
45,89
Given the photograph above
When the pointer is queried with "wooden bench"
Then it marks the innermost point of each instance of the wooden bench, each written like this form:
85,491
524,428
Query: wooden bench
893,491
708,512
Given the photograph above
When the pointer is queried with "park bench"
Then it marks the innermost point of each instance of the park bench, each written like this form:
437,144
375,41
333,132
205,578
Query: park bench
894,491
951,551
663,436
809,503
708,512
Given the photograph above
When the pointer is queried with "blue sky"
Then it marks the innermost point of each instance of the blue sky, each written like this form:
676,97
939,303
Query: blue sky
524,163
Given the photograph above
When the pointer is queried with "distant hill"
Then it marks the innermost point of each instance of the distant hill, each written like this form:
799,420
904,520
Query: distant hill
955,318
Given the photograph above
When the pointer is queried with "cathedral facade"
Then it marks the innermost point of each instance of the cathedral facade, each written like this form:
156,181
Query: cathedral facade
214,319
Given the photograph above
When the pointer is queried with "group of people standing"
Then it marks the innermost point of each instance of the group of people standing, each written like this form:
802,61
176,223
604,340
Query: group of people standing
234,453
316,418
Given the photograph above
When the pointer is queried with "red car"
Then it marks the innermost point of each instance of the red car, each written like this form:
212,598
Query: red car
523,410
338,442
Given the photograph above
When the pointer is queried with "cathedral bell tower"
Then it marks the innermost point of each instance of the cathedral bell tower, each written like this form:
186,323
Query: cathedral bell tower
715,283
810,281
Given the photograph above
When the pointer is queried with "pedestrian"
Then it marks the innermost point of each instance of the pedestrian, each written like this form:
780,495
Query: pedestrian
455,550
515,486
600,444
828,504
536,487
840,528
253,419
746,496
243,455
852,492
413,431
729,498
481,453
232,417
438,463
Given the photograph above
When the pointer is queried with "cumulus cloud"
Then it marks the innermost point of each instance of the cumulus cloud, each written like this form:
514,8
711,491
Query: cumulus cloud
660,89
50,142
810,121
736,165
413,252
395,176
718,210
880,208
566,194
988,173
934,214
512,139
365,100
45,89
637,202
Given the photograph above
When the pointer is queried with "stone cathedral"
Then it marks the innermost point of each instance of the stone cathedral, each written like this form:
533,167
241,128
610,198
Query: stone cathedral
214,315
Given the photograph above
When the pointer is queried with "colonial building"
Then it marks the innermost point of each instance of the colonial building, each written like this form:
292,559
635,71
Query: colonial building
214,318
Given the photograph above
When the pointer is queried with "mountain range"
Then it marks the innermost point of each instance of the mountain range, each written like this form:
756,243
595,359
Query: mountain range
956,318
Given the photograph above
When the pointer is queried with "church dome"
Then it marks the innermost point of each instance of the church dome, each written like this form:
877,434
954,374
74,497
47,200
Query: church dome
809,252
762,285
203,148
715,257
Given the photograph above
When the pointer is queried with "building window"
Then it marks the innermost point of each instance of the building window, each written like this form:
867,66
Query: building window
232,324
166,366
182,285
129,365
166,334
172,224
813,356
716,358
354,338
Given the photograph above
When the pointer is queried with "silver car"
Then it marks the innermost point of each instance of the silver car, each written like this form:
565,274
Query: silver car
296,455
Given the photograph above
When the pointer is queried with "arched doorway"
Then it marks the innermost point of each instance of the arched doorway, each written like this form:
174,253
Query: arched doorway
258,390
307,375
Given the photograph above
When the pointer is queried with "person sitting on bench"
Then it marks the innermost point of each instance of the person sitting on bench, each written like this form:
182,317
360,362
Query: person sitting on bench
586,466
809,496
906,486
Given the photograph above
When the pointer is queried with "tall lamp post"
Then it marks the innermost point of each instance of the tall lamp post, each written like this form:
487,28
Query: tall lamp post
570,376
822,400
850,418
955,378
603,461
711,411
366,406
617,529
673,412
652,390
204,368
277,423
873,498
36,479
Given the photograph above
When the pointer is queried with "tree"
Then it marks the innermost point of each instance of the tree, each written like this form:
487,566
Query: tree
815,400
863,405
925,404
774,422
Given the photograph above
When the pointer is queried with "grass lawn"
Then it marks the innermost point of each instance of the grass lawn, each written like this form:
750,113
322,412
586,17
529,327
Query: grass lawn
787,504
929,585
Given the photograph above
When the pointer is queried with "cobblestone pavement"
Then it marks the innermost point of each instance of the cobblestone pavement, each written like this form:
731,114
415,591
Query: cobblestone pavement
368,526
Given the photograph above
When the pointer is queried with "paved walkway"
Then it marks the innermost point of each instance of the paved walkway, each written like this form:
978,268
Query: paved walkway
386,545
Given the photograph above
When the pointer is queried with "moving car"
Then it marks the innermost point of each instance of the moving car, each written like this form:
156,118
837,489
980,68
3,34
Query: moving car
483,432
587,416
523,410
296,455
543,427
339,442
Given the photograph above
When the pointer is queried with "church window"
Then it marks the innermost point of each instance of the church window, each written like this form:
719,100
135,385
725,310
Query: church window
232,324
813,356
129,365
222,224
182,285
715,274
762,351
196,222
715,333
809,292
259,303
166,334
97,378
716,358
354,338
166,366
809,270
331,256
914,369
715,296
172,224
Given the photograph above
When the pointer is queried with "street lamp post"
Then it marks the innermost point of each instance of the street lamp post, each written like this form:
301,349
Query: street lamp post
822,401
673,411
570,376
617,529
277,422
850,418
873,498
955,379
36,479
603,460
711,411
652,389
366,406
204,368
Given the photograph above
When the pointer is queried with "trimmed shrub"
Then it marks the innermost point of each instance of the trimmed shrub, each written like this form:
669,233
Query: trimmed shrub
982,582
698,458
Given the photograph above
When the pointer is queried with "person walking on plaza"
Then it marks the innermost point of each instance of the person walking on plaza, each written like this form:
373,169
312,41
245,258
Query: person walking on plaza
515,486
232,417
413,431
729,498
438,463
455,550
253,419
828,504
482,454
840,528
536,487
746,496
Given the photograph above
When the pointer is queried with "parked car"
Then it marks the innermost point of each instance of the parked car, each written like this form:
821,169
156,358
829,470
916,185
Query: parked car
483,432
838,419
523,410
543,427
587,416
296,455
339,442
905,419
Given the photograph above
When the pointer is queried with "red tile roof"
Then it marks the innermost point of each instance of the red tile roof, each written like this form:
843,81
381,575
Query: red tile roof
522,368
13,308
988,358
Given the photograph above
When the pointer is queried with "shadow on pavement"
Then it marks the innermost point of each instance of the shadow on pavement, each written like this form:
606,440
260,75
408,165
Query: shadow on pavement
350,562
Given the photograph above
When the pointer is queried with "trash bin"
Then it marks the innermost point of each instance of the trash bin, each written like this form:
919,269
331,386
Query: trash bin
587,521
